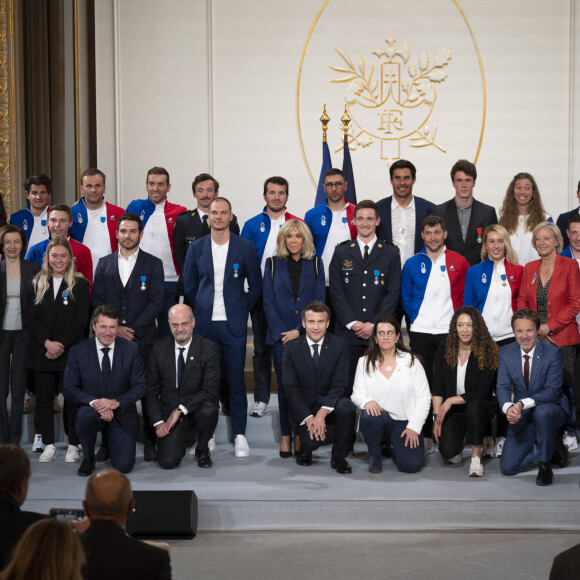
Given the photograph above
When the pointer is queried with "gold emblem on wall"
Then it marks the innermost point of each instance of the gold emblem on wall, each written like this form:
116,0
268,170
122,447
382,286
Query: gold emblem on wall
390,98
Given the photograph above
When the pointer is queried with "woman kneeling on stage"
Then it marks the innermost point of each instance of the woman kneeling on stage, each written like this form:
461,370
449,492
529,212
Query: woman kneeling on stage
391,388
463,379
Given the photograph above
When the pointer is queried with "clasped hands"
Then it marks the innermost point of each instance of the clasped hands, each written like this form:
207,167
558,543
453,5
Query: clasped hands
54,349
514,413
363,330
317,425
105,408
164,428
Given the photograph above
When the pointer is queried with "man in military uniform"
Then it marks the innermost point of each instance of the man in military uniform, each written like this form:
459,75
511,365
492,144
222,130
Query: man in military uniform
365,278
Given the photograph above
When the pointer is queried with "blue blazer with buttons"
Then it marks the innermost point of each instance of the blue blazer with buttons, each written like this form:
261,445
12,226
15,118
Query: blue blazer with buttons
198,279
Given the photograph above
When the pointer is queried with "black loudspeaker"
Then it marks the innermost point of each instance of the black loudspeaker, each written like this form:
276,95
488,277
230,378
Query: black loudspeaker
164,514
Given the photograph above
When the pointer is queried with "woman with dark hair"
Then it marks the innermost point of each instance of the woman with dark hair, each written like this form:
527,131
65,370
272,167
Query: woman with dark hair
58,319
521,212
48,550
292,279
391,389
15,299
463,380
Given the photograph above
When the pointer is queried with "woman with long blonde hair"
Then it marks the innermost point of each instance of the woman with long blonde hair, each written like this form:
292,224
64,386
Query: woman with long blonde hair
59,318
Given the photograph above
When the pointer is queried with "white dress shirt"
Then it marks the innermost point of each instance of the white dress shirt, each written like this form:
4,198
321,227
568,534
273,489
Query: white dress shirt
527,402
126,266
403,226
339,232
219,255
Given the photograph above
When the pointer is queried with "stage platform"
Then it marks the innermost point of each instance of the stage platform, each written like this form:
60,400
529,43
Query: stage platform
265,492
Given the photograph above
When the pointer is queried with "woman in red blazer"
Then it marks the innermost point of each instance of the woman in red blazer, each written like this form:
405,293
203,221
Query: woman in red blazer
551,287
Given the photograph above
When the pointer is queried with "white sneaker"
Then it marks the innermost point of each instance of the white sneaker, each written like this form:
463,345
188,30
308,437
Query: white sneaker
210,446
499,443
48,455
456,459
38,445
258,409
241,447
475,468
488,450
72,454
570,441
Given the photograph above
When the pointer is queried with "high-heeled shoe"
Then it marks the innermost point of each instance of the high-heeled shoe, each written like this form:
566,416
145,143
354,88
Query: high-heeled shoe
286,447
297,444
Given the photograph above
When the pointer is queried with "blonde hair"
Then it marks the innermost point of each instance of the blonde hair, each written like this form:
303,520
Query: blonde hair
509,214
555,232
48,550
510,254
307,252
41,281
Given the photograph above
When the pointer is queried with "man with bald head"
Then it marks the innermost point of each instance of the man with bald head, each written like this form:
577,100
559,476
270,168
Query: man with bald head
183,375
110,552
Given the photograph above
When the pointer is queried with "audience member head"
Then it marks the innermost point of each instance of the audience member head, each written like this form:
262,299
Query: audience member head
157,184
497,244
205,188
48,550
289,237
109,496
14,472
10,234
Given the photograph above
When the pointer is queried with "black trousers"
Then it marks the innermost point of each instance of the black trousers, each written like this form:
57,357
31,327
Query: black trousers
171,448
465,422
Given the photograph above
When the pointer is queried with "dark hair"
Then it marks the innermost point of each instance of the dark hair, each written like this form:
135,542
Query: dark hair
158,171
432,221
367,204
315,306
106,310
92,171
216,199
575,219
11,229
333,171
39,179
466,166
61,207
374,355
14,467
277,180
526,314
205,177
129,216
484,348
403,164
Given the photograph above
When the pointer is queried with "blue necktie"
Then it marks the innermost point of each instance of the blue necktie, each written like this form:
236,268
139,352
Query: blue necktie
180,366
315,356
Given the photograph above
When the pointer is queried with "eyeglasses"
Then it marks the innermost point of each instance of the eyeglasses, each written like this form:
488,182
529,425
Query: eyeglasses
335,185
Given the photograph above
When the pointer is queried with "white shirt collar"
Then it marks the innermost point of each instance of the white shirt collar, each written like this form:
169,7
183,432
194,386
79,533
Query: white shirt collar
100,345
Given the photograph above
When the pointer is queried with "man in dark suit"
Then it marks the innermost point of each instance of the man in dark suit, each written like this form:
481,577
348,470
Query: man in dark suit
365,283
131,280
529,392
193,224
566,564
465,217
105,391
182,385
564,219
215,272
111,554
14,480
315,371
403,213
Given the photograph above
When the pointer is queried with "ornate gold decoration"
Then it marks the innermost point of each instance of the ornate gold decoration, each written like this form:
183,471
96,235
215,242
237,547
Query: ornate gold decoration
5,101
387,107
324,120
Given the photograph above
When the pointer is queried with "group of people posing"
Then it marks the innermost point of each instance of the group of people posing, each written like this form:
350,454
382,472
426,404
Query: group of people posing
490,305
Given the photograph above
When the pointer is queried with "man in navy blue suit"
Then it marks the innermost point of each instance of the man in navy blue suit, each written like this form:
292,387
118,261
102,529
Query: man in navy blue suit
529,391
131,280
216,269
105,377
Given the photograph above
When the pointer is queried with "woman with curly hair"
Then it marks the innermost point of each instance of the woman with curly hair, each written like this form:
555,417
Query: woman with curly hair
521,212
391,389
463,379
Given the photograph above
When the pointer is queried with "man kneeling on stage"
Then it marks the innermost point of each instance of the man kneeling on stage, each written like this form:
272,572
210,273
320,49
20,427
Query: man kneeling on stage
529,381
315,375
182,386
104,376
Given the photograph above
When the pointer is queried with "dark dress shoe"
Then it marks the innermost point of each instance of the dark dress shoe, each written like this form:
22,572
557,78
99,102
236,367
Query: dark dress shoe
341,465
102,454
304,458
86,468
203,459
285,454
545,475
560,455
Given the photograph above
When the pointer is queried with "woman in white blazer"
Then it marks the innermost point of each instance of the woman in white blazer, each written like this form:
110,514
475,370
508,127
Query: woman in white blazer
391,389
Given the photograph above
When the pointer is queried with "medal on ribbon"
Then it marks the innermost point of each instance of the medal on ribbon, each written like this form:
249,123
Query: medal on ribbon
103,222
143,280
377,273
479,233
236,270
443,268
65,297
503,277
